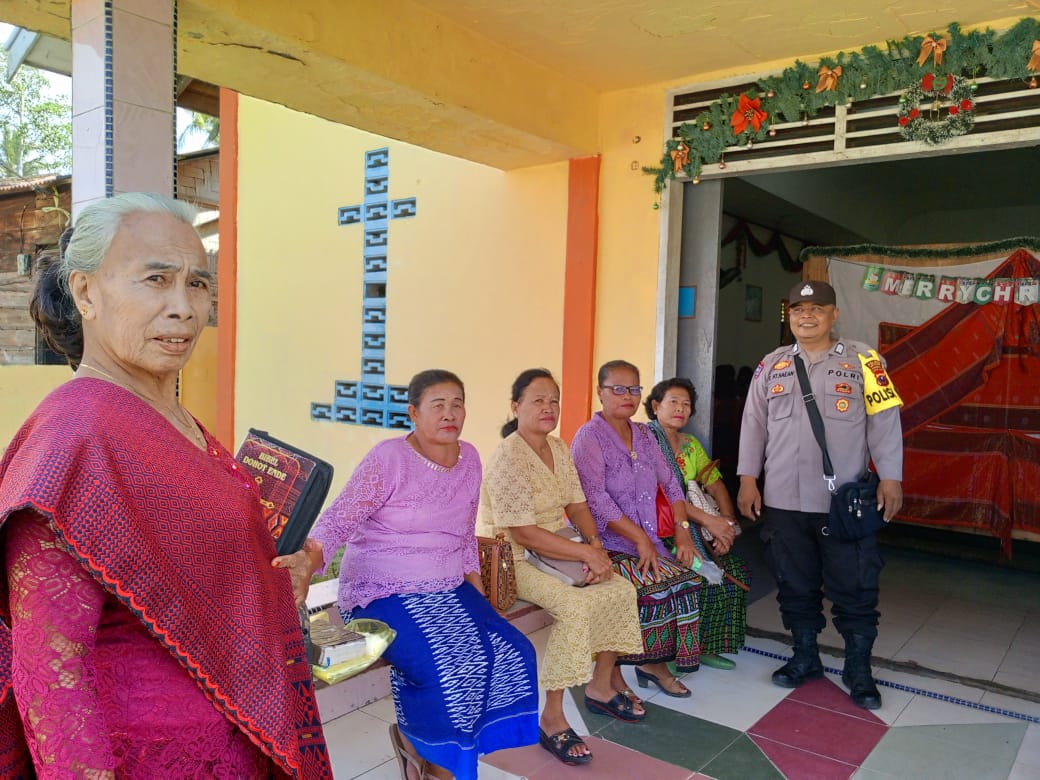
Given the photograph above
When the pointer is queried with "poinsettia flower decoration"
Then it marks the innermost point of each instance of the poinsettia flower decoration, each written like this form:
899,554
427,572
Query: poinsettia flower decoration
748,113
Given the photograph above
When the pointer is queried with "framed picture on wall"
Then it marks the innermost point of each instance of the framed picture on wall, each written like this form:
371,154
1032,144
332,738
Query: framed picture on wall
752,303
688,302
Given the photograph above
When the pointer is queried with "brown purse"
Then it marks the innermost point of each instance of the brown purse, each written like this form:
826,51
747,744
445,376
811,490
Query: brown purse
496,571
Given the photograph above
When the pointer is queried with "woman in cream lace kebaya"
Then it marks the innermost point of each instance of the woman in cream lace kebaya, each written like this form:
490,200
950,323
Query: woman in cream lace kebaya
529,483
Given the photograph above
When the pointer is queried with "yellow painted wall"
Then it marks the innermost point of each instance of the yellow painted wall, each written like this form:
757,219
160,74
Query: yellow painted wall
21,390
475,278
199,380
626,275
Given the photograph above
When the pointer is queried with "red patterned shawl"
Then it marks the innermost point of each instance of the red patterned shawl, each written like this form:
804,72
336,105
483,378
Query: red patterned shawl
117,483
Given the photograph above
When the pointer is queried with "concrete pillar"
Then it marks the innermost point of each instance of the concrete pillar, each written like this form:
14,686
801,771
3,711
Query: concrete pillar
123,121
699,268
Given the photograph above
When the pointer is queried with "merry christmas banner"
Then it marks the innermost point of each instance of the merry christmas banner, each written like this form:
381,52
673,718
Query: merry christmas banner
868,293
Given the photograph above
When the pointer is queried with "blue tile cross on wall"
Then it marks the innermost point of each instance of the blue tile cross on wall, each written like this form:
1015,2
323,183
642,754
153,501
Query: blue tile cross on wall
370,400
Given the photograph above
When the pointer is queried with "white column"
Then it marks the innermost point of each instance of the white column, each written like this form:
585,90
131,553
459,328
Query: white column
123,121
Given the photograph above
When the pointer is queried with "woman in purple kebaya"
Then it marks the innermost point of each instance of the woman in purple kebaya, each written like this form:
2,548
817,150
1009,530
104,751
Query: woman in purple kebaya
620,467
463,679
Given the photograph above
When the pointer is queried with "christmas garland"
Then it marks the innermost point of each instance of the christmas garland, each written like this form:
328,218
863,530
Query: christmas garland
921,253
951,113
743,120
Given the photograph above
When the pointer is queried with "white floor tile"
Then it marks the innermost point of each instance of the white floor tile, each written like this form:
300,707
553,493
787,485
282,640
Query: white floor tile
391,770
925,711
357,744
931,684
1001,701
382,709
963,656
1028,762
737,698
1027,682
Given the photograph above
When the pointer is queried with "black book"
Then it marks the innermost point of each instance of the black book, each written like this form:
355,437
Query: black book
293,486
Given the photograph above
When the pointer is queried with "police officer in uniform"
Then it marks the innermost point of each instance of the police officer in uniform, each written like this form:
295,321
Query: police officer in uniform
860,411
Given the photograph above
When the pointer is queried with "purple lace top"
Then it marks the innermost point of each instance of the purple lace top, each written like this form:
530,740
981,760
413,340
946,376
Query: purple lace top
407,523
617,484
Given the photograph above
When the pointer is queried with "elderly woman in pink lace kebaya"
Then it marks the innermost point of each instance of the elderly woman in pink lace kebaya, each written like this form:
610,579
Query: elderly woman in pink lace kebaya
463,679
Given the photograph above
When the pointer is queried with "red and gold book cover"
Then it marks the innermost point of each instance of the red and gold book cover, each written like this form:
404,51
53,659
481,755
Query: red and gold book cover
286,477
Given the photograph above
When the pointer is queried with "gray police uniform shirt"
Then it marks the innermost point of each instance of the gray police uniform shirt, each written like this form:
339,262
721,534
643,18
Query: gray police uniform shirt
775,433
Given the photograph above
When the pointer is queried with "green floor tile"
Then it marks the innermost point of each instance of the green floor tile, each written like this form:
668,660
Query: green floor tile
668,735
980,751
742,760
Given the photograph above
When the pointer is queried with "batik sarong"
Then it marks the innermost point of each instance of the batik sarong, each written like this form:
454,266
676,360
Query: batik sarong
668,611
723,606
464,680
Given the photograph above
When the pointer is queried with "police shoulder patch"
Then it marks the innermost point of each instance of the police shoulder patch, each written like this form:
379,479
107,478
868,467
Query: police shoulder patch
758,370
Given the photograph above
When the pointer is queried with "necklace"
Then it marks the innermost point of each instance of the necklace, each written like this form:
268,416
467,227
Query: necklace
428,461
182,418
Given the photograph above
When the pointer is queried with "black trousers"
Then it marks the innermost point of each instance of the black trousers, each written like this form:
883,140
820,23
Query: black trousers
808,563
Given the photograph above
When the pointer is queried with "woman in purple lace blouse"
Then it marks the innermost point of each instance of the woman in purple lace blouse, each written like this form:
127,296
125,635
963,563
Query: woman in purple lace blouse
463,679
620,467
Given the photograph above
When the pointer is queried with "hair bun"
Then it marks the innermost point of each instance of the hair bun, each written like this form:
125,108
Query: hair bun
53,309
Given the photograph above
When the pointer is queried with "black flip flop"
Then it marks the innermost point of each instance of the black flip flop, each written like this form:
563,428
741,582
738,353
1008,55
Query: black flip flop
620,707
560,743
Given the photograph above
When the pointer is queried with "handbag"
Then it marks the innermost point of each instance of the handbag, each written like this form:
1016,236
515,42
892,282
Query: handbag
497,573
568,572
853,514
701,499
665,516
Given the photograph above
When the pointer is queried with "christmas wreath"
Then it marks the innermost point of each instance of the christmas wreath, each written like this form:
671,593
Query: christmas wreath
949,109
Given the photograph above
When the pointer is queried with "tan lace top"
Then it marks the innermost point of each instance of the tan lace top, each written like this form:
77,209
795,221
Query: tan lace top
519,489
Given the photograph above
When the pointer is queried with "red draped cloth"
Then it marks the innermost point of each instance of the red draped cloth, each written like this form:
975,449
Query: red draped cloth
195,630
970,382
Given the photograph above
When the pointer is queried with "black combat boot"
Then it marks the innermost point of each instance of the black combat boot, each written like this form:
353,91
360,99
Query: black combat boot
856,676
804,665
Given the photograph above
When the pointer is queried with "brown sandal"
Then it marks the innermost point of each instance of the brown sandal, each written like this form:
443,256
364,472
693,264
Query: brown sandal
406,759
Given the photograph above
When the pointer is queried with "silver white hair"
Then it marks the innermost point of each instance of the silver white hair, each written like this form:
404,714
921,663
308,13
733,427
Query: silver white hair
99,222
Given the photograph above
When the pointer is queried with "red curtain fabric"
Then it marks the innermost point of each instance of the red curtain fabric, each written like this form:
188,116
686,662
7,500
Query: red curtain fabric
970,382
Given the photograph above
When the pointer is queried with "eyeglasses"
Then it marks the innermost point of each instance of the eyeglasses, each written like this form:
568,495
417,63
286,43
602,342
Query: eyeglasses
622,389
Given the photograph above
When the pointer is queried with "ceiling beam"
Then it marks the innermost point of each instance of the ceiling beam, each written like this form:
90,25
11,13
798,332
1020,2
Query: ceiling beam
394,69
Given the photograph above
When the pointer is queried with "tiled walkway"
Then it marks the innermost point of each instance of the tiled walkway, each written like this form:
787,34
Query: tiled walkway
977,626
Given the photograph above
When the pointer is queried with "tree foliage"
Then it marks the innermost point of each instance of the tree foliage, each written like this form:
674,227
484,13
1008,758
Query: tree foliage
35,126
202,132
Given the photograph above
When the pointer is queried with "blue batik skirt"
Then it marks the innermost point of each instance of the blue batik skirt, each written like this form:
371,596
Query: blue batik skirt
464,680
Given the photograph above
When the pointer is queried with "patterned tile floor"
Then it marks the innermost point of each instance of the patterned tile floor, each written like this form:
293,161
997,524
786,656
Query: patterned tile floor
960,620
738,726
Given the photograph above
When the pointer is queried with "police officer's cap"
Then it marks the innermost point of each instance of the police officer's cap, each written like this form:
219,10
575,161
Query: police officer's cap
812,292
